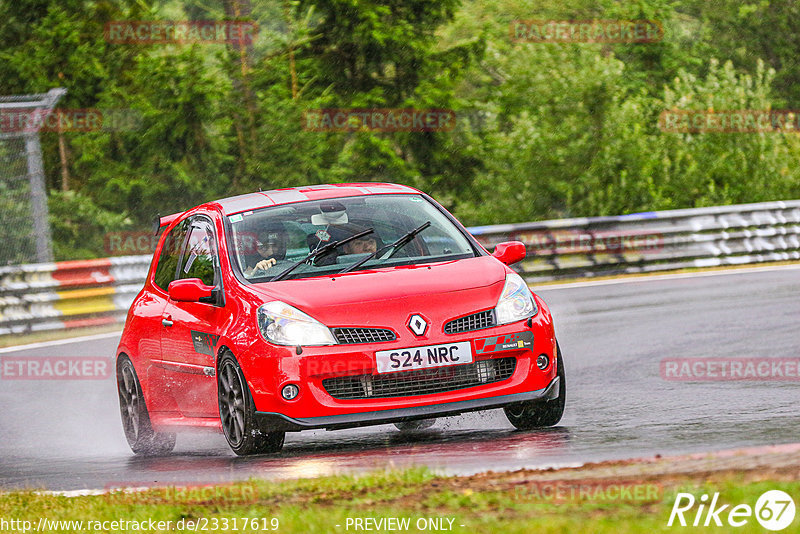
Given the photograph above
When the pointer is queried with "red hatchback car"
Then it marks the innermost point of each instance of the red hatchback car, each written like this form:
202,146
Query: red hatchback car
330,306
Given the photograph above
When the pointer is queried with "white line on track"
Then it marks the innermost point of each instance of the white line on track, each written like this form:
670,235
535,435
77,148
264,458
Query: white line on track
57,342
652,278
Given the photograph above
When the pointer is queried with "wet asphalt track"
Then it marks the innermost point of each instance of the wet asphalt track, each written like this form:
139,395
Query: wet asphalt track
62,435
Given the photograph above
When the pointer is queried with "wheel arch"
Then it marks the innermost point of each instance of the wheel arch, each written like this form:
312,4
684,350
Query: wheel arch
223,349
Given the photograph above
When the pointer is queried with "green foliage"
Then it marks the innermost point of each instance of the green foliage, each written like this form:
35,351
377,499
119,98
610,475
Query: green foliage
573,128
19,243
751,31
79,227
375,51
544,130
490,503
176,157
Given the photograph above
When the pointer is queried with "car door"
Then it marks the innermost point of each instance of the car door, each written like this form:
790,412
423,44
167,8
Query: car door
190,333
152,309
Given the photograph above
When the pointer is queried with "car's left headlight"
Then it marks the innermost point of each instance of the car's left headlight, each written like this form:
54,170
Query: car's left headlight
286,325
516,302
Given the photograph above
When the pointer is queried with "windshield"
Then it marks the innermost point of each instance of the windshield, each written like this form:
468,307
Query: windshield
267,242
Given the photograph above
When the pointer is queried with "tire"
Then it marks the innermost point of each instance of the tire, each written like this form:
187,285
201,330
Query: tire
237,412
537,414
135,417
419,424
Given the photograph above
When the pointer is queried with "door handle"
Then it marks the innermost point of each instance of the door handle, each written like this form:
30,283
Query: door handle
167,321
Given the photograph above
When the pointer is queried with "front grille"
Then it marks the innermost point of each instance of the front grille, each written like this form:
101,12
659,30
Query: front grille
421,382
352,336
476,321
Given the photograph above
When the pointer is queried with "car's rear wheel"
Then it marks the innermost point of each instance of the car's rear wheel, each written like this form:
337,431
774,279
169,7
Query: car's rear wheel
537,414
135,417
237,412
419,424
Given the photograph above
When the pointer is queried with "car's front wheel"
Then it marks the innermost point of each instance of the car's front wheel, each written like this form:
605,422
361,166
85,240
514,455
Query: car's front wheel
237,413
135,417
537,414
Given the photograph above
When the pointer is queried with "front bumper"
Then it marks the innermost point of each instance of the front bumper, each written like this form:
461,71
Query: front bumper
270,421
269,368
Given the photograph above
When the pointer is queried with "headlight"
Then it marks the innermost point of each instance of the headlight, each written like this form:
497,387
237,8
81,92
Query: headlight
285,325
516,301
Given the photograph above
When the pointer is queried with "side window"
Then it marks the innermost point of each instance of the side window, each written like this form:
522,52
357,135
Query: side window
170,254
198,261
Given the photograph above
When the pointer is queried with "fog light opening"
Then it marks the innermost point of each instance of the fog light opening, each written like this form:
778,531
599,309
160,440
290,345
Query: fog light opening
542,362
290,391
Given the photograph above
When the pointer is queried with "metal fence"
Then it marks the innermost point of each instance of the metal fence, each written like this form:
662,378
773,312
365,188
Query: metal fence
69,294
23,199
653,241
95,292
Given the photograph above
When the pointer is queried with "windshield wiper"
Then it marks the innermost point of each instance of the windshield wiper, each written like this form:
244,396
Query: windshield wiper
397,245
327,249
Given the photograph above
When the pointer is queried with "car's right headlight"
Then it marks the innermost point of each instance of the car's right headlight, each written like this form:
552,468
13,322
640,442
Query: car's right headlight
516,301
286,325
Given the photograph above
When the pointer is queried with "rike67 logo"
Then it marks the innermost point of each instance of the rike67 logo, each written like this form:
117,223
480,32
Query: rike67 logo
774,510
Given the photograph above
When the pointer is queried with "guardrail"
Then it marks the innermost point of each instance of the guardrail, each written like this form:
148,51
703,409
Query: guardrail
69,294
653,241
74,294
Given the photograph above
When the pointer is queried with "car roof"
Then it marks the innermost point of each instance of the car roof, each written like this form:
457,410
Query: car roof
276,197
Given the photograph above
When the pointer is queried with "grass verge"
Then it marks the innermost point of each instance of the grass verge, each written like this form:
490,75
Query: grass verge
414,500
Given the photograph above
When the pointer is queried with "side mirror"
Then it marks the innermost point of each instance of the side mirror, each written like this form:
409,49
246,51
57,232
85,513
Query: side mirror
509,252
189,290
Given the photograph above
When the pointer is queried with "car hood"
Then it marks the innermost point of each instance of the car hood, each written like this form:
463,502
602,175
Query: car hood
381,297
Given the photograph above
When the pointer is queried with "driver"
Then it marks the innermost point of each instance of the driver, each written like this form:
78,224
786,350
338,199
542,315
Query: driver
271,246
363,245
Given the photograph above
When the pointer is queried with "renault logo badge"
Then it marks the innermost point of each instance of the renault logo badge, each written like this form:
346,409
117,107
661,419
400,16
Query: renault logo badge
417,324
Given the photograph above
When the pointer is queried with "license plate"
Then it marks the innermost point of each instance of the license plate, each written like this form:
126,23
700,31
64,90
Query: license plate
389,361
